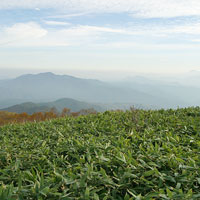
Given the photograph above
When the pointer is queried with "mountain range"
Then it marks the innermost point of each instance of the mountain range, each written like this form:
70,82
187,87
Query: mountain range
46,89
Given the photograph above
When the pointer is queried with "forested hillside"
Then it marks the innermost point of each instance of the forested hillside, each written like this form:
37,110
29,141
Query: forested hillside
59,105
117,155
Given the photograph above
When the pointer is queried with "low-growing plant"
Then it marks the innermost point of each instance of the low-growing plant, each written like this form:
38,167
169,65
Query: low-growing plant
103,156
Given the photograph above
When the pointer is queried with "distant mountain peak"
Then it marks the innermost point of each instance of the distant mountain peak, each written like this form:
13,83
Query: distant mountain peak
47,74
43,74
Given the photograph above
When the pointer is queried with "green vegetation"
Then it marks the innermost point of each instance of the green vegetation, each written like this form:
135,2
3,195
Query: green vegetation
74,105
113,155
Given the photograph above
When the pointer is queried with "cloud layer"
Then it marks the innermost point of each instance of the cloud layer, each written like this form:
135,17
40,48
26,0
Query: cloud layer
68,22
137,8
34,34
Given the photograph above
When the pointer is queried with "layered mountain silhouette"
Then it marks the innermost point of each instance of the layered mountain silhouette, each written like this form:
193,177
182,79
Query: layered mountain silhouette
59,105
49,87
140,91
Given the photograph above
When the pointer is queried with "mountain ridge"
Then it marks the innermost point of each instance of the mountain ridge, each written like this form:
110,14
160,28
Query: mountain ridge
49,87
60,104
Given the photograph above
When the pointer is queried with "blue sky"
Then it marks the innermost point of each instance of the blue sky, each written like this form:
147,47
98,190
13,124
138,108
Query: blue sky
79,37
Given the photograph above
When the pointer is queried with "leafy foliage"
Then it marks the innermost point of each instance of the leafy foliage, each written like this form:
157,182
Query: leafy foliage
9,117
117,155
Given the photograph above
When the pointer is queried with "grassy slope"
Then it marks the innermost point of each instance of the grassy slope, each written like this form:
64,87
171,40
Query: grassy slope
112,155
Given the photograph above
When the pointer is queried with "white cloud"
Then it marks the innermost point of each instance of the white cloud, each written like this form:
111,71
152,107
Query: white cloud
25,30
67,16
92,30
32,34
193,29
21,33
170,30
167,8
139,8
86,35
56,23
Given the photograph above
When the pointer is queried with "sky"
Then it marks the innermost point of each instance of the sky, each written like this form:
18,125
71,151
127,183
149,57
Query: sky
100,38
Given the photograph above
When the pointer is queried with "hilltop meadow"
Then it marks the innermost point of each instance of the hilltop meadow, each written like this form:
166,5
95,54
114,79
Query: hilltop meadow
115,155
